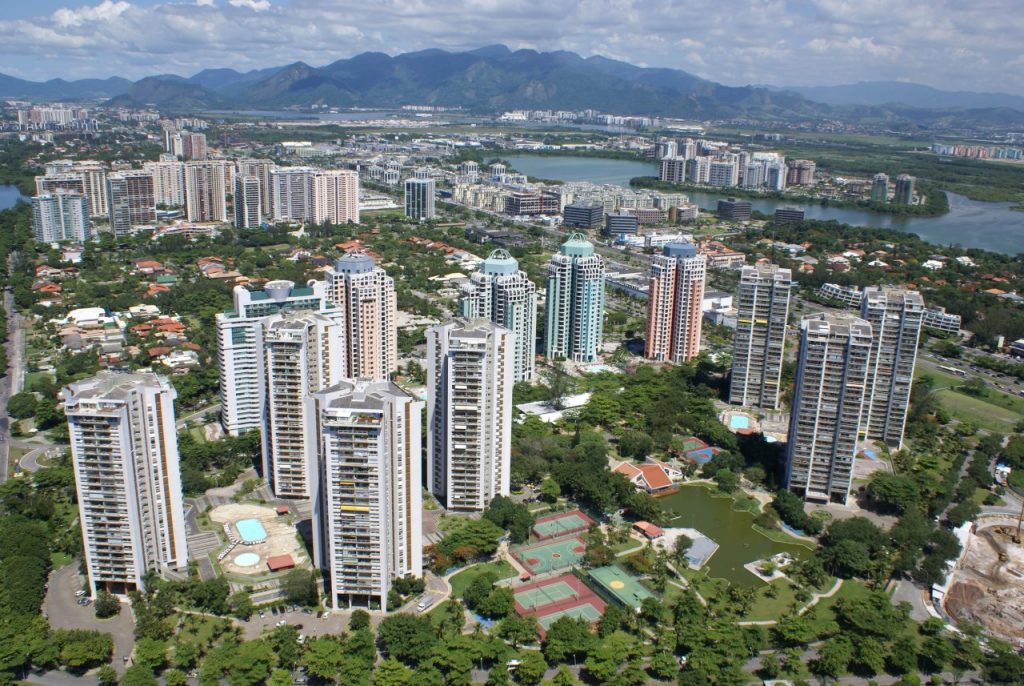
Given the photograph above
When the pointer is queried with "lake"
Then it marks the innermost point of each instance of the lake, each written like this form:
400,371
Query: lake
695,507
9,195
971,223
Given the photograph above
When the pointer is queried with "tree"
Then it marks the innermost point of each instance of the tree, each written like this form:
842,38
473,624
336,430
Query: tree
902,656
892,492
498,603
833,658
664,665
609,656
106,675
151,654
871,615
727,480
567,638
359,620
176,677
106,605
636,444
138,675
407,638
516,629
81,649
250,663
279,677
935,653
563,677
241,604
322,657
391,672
22,405
300,587
516,518
479,589
531,668
868,656
846,559
186,654
550,490
284,641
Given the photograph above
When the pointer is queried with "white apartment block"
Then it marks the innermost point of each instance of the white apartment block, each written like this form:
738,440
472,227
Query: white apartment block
124,450
292,193
261,170
130,201
759,345
469,413
168,182
896,316
574,310
675,297
302,355
248,202
365,298
367,514
335,196
93,178
828,405
206,185
503,293
61,216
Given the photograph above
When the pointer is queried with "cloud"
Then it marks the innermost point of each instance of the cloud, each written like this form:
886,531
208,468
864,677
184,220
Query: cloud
946,43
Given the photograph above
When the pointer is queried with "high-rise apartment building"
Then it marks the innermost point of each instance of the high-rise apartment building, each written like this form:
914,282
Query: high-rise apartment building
335,196
574,313
61,216
674,304
904,194
896,316
240,350
723,173
193,145
248,202
673,170
302,355
419,199
124,449
880,188
131,201
367,514
206,186
364,296
760,341
292,189
503,293
801,172
469,412
92,183
168,182
828,404
261,170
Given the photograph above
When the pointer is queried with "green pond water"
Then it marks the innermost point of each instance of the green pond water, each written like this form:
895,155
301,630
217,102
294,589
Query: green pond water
695,507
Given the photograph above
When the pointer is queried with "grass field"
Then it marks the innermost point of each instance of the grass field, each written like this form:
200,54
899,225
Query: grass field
461,581
992,410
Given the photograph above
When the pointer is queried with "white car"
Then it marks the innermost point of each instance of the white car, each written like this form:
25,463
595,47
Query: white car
79,594
281,623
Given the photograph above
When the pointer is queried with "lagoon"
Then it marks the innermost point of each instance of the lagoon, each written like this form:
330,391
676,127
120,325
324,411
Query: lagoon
970,223
9,196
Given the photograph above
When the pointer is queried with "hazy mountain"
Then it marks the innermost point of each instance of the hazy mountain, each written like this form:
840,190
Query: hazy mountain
58,89
214,79
166,92
911,94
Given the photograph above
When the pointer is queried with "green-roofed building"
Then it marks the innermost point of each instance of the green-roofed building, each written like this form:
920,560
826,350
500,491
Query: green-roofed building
575,301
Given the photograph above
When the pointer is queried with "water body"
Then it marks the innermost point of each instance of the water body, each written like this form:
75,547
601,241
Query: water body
970,223
696,508
313,116
9,196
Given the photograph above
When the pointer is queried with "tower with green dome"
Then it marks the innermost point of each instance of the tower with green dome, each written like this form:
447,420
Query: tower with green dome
575,302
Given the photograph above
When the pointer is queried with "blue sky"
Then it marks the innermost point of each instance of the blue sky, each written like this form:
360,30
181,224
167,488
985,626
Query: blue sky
954,44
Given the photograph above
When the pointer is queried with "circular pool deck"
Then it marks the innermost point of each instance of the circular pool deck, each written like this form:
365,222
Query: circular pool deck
247,560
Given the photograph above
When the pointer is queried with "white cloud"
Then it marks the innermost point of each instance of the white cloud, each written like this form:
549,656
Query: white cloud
948,43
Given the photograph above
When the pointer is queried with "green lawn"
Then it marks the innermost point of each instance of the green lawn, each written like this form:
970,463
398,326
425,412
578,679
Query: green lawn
993,410
59,560
766,607
461,581
200,629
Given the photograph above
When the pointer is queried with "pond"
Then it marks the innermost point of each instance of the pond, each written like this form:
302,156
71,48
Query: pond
9,196
696,507
971,223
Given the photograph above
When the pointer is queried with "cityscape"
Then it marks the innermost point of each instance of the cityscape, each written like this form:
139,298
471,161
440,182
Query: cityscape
405,375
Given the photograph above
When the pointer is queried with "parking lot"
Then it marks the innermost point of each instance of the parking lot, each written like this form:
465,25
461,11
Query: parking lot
307,622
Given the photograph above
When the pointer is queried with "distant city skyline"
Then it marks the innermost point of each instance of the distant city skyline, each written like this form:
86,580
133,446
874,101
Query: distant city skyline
948,45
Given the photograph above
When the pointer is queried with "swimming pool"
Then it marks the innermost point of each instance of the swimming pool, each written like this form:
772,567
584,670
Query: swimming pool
251,531
739,421
247,560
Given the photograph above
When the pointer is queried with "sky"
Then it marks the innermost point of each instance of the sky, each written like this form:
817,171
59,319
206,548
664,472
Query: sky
951,44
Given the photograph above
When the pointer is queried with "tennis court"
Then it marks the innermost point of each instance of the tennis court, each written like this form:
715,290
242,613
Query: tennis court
623,586
562,596
561,524
586,611
547,557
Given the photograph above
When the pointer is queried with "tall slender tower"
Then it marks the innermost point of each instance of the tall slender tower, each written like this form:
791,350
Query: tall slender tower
124,449
674,304
760,341
248,202
367,514
828,405
206,185
131,200
503,293
575,301
261,170
469,412
292,189
419,199
365,296
896,316
335,196
302,355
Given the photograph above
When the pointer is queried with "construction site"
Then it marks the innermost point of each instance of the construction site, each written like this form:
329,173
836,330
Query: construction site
987,586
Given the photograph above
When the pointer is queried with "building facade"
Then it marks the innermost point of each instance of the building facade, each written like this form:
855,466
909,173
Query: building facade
261,170
675,293
206,186
61,216
502,293
419,199
367,513
575,302
168,182
880,188
469,413
828,405
131,201
904,194
336,196
364,296
124,450
292,190
248,202
759,344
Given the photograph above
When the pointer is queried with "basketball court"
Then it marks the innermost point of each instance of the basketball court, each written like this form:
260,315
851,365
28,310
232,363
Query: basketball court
621,585
561,524
562,596
547,557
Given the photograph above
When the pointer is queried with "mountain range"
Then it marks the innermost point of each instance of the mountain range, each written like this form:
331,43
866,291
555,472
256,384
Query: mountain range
495,78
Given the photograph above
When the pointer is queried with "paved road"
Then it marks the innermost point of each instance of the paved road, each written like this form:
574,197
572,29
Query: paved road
908,591
29,462
198,414
64,612
10,382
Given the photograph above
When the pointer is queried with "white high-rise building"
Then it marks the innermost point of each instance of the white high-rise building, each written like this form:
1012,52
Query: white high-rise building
675,295
261,170
168,182
503,293
828,406
419,199
206,185
469,412
248,202
335,196
760,341
365,298
302,355
131,201
124,449
292,191
575,302
240,351
92,182
367,515
61,216
896,316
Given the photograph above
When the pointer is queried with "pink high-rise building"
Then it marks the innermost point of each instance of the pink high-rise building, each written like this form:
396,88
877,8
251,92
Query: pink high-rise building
674,304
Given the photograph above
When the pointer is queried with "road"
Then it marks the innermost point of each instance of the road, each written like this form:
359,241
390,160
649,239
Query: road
198,414
10,383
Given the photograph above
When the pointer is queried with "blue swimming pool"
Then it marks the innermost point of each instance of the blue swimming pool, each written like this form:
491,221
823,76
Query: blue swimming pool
739,421
251,531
